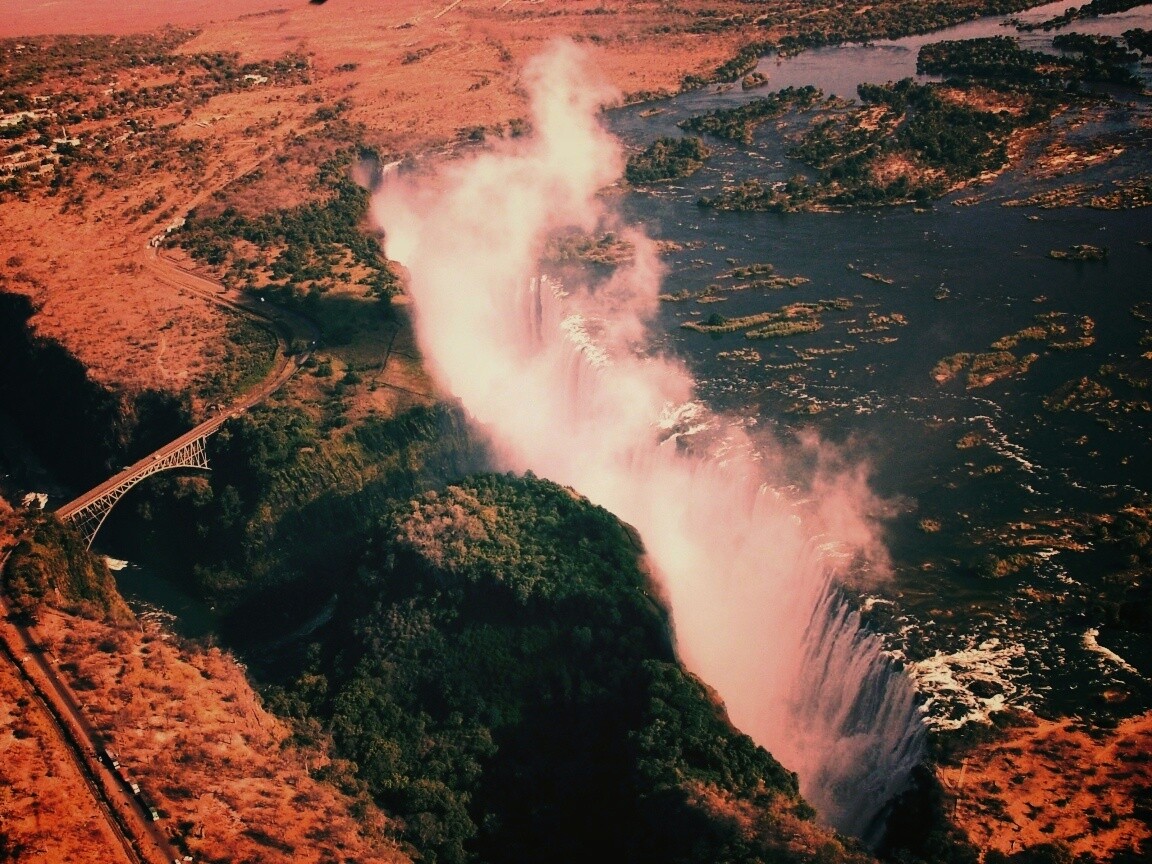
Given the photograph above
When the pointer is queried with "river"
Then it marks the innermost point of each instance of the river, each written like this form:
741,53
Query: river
947,279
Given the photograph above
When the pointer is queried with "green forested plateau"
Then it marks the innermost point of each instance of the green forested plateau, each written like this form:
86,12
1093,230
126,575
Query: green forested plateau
505,683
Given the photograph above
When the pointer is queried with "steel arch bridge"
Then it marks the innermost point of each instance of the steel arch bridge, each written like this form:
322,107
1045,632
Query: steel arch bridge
88,511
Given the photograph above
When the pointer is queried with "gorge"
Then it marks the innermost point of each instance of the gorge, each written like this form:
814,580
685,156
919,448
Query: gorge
560,381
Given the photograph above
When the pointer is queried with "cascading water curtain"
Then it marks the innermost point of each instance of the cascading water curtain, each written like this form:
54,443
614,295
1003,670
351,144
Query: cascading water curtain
562,383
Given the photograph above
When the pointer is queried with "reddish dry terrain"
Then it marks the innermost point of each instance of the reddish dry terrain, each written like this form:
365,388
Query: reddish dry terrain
414,77
226,776
47,812
1057,780
37,17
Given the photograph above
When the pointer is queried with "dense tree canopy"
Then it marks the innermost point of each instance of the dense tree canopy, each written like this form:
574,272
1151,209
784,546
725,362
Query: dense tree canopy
504,681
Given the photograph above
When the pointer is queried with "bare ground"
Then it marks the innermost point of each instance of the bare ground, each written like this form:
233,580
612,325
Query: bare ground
47,813
1057,780
224,774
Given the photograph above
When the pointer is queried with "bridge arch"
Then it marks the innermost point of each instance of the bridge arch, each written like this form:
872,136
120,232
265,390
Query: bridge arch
88,512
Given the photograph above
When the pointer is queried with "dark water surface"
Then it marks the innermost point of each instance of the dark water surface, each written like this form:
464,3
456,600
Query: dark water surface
956,279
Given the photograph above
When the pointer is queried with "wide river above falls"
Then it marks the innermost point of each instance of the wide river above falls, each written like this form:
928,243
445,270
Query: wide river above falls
924,284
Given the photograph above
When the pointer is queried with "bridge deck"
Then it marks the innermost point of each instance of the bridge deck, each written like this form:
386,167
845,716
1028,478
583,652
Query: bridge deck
88,511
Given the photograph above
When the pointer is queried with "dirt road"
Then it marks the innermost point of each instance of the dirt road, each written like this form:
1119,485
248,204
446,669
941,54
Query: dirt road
142,840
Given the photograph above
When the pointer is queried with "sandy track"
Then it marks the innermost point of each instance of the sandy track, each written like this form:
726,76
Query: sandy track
139,840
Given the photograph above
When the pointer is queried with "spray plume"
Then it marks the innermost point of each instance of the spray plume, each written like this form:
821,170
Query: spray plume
560,383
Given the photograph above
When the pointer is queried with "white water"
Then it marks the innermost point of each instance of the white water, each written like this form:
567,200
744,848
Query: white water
1089,640
747,545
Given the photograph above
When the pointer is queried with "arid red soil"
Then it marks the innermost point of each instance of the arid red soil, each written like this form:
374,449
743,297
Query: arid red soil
416,74
1056,780
47,813
226,776
36,17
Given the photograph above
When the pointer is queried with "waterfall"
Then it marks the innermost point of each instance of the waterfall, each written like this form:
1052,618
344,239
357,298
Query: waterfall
747,541
750,574
868,715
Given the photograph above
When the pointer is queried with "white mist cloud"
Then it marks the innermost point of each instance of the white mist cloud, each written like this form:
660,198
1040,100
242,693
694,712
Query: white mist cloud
557,385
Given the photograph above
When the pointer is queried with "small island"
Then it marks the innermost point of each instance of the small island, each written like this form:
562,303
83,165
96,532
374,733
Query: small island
1080,252
667,159
753,80
790,320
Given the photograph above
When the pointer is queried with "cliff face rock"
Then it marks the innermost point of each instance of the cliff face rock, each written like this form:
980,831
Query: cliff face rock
79,429
50,564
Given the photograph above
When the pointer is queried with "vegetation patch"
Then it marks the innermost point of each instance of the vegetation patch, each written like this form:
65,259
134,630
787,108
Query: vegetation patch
505,681
299,253
607,249
1068,195
789,320
243,360
103,127
1000,60
1092,9
753,80
753,277
1057,330
51,564
906,143
991,366
1140,40
739,123
911,143
1127,195
1081,394
666,159
1080,252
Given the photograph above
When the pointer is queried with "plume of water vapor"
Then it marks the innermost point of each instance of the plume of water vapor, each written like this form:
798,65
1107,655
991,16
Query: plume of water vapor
554,378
